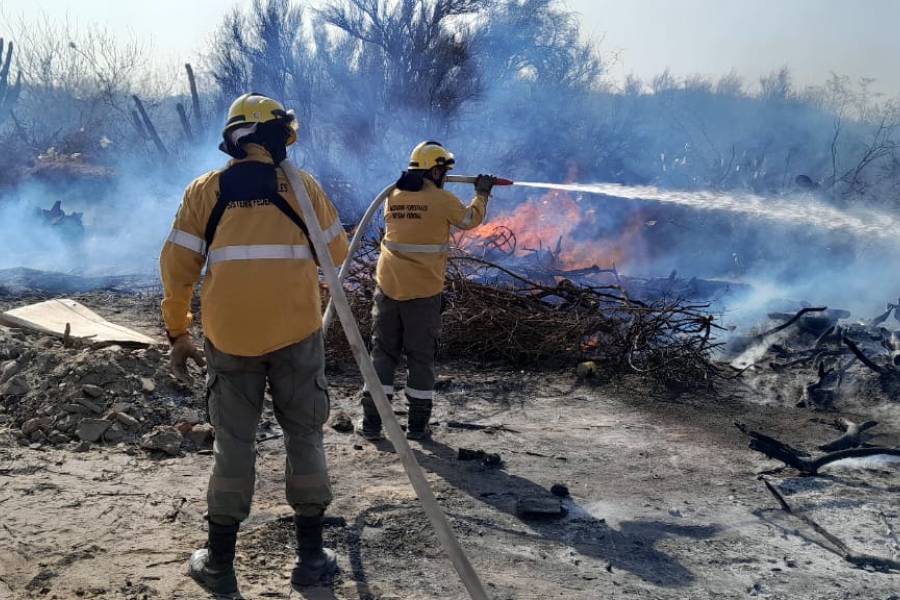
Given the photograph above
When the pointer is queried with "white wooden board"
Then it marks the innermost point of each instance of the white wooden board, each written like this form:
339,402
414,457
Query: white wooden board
52,317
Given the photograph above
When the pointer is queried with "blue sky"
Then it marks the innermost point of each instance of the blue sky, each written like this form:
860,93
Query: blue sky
814,37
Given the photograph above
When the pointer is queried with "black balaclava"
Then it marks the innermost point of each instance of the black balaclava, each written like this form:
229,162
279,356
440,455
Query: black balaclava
411,181
271,135
439,182
414,180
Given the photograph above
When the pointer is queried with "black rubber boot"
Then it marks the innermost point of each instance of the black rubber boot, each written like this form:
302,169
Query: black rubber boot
315,563
213,567
370,428
419,415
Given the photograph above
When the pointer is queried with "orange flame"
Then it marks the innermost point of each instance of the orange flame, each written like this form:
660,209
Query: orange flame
547,226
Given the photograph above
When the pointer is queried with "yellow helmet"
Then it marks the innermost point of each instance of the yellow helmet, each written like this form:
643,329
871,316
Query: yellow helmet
431,154
252,109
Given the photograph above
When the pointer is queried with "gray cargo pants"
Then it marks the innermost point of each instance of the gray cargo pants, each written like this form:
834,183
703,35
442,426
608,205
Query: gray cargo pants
411,327
236,386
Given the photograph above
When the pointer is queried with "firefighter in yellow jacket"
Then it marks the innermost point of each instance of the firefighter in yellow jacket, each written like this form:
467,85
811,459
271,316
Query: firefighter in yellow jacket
410,275
262,323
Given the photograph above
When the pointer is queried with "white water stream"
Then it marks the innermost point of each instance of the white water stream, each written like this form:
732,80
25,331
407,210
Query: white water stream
797,210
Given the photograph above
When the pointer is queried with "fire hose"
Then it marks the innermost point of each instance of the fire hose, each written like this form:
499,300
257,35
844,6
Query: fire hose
395,434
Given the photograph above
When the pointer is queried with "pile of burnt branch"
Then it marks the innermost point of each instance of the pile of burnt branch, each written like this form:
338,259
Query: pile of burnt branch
496,315
830,345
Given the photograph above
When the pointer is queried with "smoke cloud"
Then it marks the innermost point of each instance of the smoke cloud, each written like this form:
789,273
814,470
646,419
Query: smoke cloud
695,175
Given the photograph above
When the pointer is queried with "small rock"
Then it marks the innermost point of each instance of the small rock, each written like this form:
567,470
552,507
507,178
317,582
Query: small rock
675,513
487,459
35,424
147,385
201,435
127,420
58,437
90,405
82,446
539,507
37,437
559,490
73,408
7,438
91,430
69,422
341,422
114,434
8,369
15,386
94,391
164,439
123,407
187,415
152,355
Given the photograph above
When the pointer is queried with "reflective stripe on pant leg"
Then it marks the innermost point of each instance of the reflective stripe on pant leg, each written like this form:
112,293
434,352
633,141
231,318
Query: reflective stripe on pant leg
300,398
387,339
421,328
236,386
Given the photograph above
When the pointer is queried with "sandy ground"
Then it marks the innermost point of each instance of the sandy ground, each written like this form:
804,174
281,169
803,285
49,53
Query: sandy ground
665,504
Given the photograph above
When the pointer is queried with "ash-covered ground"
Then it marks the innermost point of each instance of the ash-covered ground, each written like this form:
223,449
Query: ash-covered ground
663,502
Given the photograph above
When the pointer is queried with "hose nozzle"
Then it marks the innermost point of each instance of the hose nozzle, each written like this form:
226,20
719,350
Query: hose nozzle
471,179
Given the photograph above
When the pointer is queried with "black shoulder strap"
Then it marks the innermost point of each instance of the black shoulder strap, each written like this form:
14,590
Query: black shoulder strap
291,214
214,217
251,181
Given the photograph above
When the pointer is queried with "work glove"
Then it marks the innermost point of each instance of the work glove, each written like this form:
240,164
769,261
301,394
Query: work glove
183,348
484,184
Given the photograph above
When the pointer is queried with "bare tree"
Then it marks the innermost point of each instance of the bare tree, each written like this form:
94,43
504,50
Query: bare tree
78,84
423,46
776,86
538,41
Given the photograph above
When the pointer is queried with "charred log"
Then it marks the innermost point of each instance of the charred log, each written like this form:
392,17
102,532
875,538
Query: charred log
195,98
9,93
891,308
852,437
149,127
185,124
799,459
863,358
791,321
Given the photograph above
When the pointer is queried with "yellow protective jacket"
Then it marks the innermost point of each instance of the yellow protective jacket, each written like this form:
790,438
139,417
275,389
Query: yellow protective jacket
261,290
413,260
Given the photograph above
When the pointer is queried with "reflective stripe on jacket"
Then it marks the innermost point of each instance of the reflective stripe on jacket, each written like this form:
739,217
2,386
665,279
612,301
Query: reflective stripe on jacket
261,290
413,260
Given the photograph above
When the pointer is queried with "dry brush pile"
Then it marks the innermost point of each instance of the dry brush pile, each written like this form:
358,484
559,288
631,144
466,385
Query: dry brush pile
495,315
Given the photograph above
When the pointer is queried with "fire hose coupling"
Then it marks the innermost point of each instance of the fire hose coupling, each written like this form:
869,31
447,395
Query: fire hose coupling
471,179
